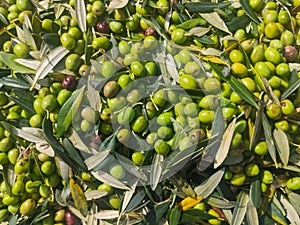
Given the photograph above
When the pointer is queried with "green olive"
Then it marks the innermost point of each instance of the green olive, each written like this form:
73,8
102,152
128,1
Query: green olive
27,207
293,183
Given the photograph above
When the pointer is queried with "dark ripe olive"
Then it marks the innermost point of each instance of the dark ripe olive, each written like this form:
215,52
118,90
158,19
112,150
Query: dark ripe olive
102,27
69,82
111,89
150,32
71,219
290,53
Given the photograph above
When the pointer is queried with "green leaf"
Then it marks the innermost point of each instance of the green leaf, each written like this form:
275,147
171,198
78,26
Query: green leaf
135,200
186,25
80,11
255,192
157,212
282,144
9,60
156,170
268,137
290,90
225,144
208,186
240,209
95,160
23,103
215,19
175,216
68,110
3,19
204,7
276,214
252,215
238,87
182,185
294,199
171,67
29,38
239,22
49,63
117,4
14,82
200,33
249,11
254,132
73,153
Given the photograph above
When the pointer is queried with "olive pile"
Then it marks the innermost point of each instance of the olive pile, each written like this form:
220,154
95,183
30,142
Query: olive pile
160,96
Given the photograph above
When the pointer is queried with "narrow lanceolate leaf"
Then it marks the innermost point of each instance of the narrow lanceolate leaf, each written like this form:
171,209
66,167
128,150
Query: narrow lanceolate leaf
80,11
171,67
215,20
24,104
106,178
276,214
255,192
252,215
238,87
117,4
282,144
182,185
9,60
225,144
175,215
93,96
291,213
239,22
268,137
78,197
127,197
240,208
29,38
68,110
49,63
156,171
107,214
249,11
294,199
3,19
204,7
209,185
290,90
14,82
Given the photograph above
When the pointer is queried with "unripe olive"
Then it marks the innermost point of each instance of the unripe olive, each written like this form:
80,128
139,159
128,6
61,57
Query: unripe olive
27,207
293,183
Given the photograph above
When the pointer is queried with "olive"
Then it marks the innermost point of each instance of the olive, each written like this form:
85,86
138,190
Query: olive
290,53
293,183
161,147
27,207
139,124
111,89
90,115
126,116
105,187
273,111
102,27
3,214
117,171
238,179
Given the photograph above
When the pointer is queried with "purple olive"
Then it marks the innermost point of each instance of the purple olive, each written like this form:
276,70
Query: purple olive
69,82
150,32
71,219
102,27
290,53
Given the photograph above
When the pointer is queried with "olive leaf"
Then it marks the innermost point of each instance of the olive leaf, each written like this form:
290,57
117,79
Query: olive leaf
94,160
291,212
240,208
68,110
252,215
208,186
78,197
48,63
175,215
29,63
23,103
294,199
136,199
225,144
156,170
107,214
94,194
200,32
268,137
171,67
290,90
117,4
80,11
282,144
220,202
29,38
214,19
239,22
249,11
93,96
9,60
276,214
204,7
3,19
255,192
127,197
182,185
108,179
14,82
